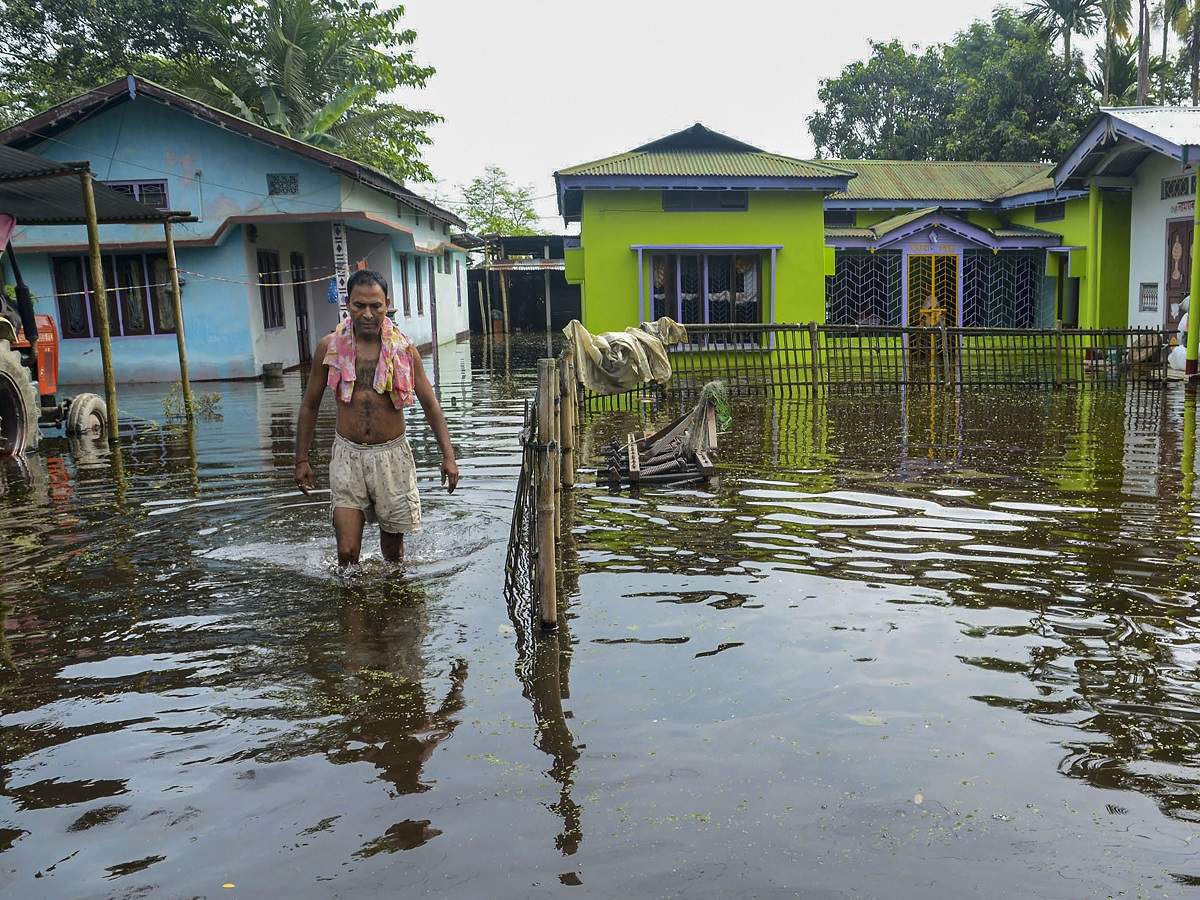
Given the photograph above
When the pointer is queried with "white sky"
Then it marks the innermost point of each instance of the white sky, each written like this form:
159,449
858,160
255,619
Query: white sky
533,86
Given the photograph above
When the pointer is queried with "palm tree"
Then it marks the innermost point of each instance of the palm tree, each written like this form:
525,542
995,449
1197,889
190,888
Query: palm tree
1064,18
1114,74
310,81
1117,14
1169,14
1187,26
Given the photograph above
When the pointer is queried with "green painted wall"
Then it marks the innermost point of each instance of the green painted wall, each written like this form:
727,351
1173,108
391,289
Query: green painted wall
1113,308
615,220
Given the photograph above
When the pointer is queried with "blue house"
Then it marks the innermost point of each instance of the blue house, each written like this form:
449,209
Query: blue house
280,225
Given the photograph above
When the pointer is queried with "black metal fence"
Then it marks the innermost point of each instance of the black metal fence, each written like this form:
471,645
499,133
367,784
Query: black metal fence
799,358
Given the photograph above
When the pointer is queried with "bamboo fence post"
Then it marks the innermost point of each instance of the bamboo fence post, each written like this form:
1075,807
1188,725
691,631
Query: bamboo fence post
177,307
546,562
504,300
569,412
485,322
812,345
101,306
556,393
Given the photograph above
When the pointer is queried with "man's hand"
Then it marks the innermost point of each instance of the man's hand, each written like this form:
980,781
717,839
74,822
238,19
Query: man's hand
450,474
304,476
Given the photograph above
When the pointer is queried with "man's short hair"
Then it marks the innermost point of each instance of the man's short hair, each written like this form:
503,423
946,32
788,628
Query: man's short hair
366,277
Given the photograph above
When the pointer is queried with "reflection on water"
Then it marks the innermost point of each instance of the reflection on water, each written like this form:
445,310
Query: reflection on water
904,646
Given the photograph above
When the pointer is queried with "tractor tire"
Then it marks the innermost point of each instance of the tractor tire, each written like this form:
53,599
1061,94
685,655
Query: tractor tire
87,416
19,404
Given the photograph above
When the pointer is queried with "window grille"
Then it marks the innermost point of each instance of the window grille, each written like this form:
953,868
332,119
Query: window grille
1148,297
270,290
1001,290
866,289
139,301
280,183
150,193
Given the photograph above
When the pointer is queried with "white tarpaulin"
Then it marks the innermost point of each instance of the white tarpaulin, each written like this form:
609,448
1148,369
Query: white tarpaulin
618,361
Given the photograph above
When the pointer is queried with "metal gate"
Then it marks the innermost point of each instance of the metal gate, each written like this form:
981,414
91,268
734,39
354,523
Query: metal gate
933,290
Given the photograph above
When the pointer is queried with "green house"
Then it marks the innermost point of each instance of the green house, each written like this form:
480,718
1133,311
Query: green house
977,244
704,228
700,227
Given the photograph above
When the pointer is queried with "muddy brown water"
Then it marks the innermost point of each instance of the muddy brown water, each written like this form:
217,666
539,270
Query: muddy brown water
901,648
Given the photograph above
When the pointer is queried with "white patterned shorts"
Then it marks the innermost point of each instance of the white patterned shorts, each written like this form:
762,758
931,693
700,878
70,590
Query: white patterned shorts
379,479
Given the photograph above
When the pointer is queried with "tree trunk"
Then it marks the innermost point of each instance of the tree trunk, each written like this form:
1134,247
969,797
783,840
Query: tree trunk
1143,85
1067,48
1195,57
1162,99
1108,42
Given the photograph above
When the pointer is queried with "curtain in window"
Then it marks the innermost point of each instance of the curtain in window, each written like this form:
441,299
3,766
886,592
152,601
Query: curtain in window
72,304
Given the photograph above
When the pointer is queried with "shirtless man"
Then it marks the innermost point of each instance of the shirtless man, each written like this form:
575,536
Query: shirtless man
375,372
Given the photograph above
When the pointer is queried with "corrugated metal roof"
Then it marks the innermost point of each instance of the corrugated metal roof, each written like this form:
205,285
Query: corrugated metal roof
1178,124
935,180
38,191
726,163
887,226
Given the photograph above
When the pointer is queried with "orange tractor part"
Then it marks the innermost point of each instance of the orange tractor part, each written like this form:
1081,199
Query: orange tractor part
47,354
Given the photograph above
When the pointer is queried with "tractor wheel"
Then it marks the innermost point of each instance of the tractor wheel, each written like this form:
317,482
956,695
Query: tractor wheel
19,404
87,416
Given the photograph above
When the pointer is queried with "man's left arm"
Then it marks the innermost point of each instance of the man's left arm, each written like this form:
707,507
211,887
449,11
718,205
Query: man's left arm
436,420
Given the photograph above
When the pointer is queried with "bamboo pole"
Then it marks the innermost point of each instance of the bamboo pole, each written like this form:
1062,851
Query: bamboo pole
504,300
101,297
485,324
569,413
177,307
547,564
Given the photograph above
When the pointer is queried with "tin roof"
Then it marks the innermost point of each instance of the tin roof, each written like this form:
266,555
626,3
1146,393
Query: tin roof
879,179
698,152
939,218
732,164
37,191
1178,124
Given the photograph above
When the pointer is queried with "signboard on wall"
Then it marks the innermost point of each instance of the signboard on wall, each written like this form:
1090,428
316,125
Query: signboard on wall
341,260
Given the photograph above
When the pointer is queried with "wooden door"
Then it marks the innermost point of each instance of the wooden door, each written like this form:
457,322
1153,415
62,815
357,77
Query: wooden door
1179,269
300,301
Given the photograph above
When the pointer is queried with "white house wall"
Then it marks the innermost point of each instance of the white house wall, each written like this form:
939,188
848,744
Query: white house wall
1148,235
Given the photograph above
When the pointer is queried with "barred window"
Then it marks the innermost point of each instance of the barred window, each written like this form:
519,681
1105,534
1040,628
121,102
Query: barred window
1148,297
137,289
150,193
270,289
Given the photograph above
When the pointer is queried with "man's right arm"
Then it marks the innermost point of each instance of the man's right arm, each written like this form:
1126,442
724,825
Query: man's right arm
307,421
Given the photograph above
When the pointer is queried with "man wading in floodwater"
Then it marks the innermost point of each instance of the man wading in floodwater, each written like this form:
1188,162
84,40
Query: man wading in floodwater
375,371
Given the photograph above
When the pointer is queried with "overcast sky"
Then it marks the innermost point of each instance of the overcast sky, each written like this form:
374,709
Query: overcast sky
533,86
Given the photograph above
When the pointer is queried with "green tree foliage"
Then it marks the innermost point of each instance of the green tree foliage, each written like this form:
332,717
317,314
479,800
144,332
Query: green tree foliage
315,71
997,91
893,106
494,205
1065,19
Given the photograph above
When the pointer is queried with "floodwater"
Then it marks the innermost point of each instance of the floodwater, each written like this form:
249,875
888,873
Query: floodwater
901,648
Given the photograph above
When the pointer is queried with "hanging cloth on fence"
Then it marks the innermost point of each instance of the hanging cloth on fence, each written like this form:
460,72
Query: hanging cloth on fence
618,361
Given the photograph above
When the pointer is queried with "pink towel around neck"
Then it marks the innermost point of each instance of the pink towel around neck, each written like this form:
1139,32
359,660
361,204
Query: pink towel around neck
393,374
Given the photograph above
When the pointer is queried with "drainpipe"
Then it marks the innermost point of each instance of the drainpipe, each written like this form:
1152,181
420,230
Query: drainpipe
1093,259
1193,332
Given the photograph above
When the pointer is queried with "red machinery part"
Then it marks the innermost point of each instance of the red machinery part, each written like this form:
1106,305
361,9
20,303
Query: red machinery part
47,354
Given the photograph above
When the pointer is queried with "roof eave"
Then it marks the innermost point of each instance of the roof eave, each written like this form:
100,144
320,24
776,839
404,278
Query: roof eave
35,128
